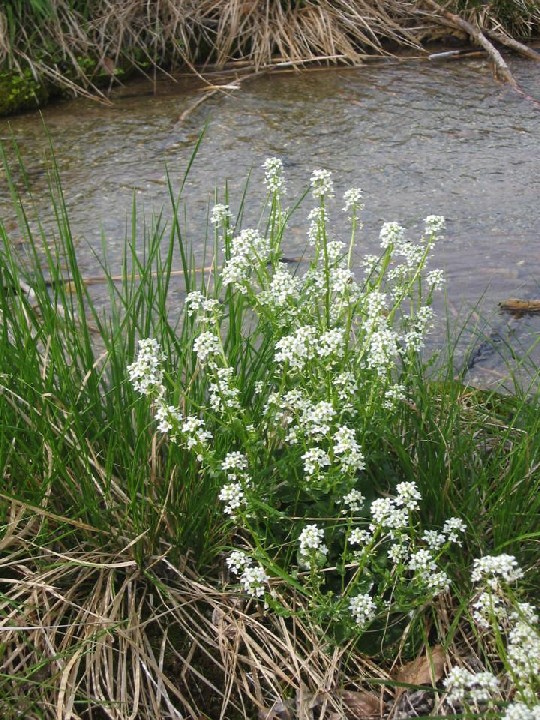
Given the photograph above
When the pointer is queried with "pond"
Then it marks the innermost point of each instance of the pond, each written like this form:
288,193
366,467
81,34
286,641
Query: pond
420,138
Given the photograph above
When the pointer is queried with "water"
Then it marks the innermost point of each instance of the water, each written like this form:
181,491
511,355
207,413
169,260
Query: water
419,139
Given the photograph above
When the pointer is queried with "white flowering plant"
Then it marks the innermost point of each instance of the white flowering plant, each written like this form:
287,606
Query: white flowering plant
303,371
509,635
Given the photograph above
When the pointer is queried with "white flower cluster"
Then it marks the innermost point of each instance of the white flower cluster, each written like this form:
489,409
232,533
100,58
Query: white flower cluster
414,338
223,395
312,550
316,419
146,373
392,234
297,349
353,200
196,301
233,497
426,571
489,609
195,434
315,460
284,289
434,225
318,220
491,569
248,249
435,279
252,577
168,418
521,711
363,609
523,649
206,346
347,449
354,500
234,461
273,175
234,465
393,395
321,183
220,213
465,686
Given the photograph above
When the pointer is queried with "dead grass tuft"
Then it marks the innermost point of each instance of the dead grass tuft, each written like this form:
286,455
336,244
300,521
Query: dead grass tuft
168,32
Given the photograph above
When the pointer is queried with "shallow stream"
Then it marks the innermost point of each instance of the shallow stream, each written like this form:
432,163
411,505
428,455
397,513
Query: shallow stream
419,138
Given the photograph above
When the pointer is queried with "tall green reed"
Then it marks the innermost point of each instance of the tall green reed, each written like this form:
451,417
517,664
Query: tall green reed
76,441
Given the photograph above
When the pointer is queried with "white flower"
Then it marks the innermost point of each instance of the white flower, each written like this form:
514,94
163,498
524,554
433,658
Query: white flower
359,537
386,514
252,577
197,301
382,350
315,459
321,183
393,395
206,345
312,548
489,609
434,539
168,418
524,651
297,349
452,527
146,374
234,461
223,395
492,567
354,500
283,288
193,429
422,563
253,580
316,419
318,219
219,214
237,561
347,448
233,495
434,224
478,687
398,552
407,495
435,279
353,199
520,711
346,385
335,250
273,176
392,235
363,609
331,342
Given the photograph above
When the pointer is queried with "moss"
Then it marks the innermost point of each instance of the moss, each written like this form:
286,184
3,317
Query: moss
20,91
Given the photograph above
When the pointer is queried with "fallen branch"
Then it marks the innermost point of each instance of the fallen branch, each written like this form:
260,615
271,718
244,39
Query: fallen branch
509,42
502,70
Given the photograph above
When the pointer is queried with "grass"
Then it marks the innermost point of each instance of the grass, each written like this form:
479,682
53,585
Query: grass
78,47
116,598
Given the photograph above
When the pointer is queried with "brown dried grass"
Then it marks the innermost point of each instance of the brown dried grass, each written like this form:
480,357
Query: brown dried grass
167,32
89,633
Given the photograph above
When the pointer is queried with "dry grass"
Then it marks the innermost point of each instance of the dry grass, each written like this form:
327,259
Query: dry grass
168,32
90,633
